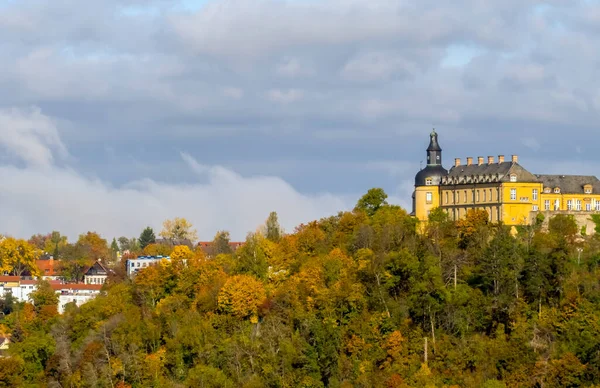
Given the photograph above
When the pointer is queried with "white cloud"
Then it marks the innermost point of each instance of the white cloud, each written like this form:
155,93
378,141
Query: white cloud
30,136
37,200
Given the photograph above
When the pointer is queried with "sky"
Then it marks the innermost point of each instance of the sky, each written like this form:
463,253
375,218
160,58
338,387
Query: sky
119,114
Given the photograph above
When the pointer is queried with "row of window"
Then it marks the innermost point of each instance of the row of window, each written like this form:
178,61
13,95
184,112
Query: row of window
479,195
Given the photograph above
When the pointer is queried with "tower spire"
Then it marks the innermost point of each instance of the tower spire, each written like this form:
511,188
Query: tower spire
434,151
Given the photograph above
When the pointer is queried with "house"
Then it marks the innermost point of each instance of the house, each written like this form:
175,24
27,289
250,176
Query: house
75,293
4,342
48,267
141,262
96,274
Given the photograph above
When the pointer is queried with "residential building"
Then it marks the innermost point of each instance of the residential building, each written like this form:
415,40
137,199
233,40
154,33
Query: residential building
96,274
4,342
507,191
48,268
141,262
21,289
77,293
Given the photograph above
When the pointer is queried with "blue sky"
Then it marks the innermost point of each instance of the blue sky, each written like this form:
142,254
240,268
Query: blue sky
118,114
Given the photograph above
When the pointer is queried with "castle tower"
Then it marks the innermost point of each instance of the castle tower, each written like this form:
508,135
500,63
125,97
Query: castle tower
428,180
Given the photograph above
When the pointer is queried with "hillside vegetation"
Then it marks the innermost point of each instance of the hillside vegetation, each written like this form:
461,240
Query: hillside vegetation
365,298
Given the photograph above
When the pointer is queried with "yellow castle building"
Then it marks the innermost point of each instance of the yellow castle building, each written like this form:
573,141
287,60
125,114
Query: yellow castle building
503,188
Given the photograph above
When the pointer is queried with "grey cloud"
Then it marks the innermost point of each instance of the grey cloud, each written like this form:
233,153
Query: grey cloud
267,85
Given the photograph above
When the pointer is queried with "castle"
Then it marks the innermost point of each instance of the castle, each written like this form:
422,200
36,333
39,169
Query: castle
504,189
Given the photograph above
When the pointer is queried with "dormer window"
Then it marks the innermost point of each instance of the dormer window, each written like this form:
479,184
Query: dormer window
513,178
587,189
547,190
556,190
428,181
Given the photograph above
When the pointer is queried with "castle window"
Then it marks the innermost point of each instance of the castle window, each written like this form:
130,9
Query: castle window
428,182
477,192
557,190
588,190
547,190
588,207
547,204
429,197
578,205
557,204
446,197
513,194
569,204
535,208
598,206
513,178
535,194
466,200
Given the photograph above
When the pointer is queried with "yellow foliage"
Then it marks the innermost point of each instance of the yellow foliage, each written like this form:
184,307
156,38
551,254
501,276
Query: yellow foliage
17,256
241,295
178,229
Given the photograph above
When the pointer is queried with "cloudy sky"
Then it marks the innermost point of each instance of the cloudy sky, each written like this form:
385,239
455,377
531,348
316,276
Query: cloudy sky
117,114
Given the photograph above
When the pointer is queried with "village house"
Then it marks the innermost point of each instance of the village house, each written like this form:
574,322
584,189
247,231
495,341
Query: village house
96,274
141,262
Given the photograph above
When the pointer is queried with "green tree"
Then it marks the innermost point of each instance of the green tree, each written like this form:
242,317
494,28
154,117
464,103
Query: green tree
220,244
147,237
44,295
272,228
374,199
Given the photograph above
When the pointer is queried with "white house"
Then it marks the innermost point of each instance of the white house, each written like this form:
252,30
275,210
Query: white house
141,262
96,274
78,293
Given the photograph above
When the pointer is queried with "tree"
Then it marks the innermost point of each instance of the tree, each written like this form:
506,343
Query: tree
372,201
147,237
114,249
220,244
55,243
95,246
241,295
178,229
128,244
272,228
44,295
18,256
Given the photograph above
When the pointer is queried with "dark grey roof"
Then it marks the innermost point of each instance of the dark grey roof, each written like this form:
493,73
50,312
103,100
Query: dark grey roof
435,172
493,172
433,142
570,184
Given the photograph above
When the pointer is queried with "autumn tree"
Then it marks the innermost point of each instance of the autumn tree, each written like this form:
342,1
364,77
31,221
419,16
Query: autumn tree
178,229
18,256
241,295
44,295
372,201
147,237
95,246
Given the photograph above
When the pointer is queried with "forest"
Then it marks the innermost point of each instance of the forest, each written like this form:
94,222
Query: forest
365,298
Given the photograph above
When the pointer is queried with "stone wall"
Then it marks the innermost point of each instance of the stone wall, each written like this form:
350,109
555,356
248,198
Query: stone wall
583,218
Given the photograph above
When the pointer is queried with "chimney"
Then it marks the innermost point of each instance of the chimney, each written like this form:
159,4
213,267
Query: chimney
500,159
490,159
479,160
515,159
456,162
469,161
